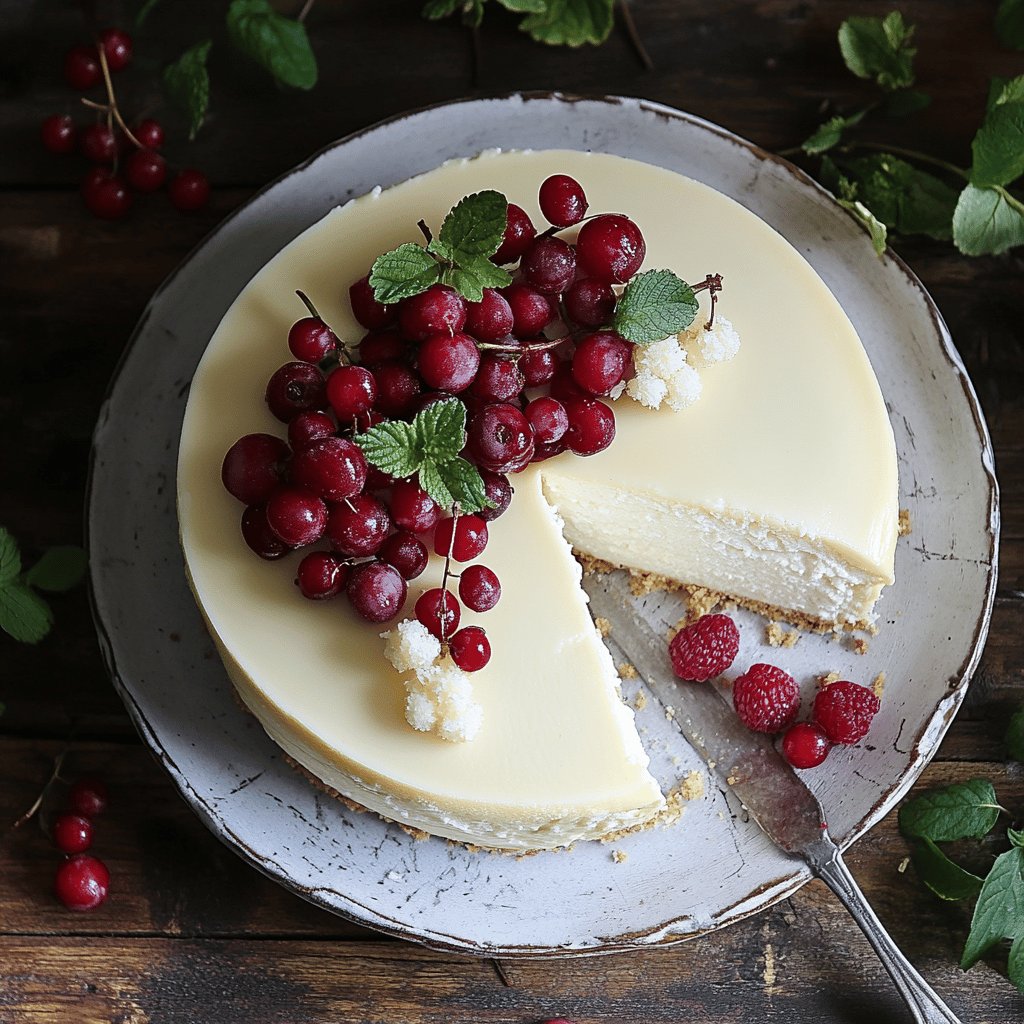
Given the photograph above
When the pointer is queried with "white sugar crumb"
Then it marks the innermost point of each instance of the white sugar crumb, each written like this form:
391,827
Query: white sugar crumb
439,695
684,388
394,876
718,345
647,389
663,375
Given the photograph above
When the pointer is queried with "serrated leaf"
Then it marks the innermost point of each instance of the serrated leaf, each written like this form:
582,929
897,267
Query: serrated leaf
433,483
524,6
474,227
875,228
60,569
1015,737
999,912
10,557
570,22
470,279
464,483
1016,836
24,614
277,43
965,810
946,879
998,147
391,447
187,84
879,49
440,430
831,133
655,305
987,221
1015,963
905,102
1010,23
436,9
403,272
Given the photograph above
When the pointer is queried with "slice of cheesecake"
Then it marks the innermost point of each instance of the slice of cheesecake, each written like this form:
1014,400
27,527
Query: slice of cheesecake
777,488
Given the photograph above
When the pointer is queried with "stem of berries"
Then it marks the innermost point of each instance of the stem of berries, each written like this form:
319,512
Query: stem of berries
113,110
456,512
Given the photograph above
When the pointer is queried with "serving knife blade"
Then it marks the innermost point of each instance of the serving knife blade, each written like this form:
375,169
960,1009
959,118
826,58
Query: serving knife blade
777,799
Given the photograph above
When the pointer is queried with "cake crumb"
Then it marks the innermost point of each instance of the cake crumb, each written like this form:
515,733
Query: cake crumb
776,636
692,787
620,856
627,671
827,680
878,685
699,601
604,627
640,700
904,526
860,645
670,712
903,865
591,564
643,583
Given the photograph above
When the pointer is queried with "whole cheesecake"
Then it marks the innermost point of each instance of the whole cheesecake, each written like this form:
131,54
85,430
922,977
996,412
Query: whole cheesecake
777,488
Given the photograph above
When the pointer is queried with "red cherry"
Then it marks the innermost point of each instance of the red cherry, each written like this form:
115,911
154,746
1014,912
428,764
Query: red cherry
438,310
351,390
600,362
251,470
82,67
117,47
490,318
381,347
547,418
499,493
610,248
590,303
82,882
591,426
376,591
150,133
470,649
412,508
98,144
72,833
257,534
436,605
297,516
470,537
322,575
145,170
310,339
373,315
88,797
189,190
805,745
332,467
58,134
449,362
562,200
358,526
294,388
519,235
479,588
309,426
106,195
406,552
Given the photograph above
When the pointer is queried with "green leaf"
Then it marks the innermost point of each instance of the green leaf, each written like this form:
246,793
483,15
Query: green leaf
999,912
570,22
902,197
831,133
904,102
144,12
879,49
965,810
464,483
1016,836
436,9
998,147
10,557
1004,90
1015,963
277,43
24,614
402,272
473,228
60,569
1010,23
875,228
472,277
391,447
987,221
187,84
524,6
947,880
655,305
433,483
440,430
1015,737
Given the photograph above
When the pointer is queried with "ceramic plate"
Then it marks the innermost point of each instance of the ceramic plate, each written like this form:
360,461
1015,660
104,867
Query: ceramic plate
713,866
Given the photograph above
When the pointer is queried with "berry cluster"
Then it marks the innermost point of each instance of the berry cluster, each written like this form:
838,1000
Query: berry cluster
767,699
126,160
527,398
82,881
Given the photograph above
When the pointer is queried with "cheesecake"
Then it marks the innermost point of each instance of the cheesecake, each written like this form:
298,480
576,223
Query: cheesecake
777,488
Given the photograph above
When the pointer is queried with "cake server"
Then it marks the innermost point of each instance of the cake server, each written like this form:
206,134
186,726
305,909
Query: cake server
769,789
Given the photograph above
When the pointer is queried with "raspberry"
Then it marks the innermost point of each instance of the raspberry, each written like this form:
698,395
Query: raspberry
805,745
705,648
766,698
845,710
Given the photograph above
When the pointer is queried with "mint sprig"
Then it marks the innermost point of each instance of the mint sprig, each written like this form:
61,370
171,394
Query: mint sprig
187,84
967,810
879,49
655,305
24,615
429,447
458,256
555,22
275,42
944,877
999,912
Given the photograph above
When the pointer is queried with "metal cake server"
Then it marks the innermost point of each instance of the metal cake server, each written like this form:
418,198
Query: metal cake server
771,791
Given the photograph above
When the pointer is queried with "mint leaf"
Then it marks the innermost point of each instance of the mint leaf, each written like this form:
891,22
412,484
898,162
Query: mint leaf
436,9
998,146
525,6
904,102
902,197
187,84
433,483
440,430
965,810
831,133
24,614
655,305
947,880
987,221
1004,90
1015,836
144,12
875,228
403,272
10,557
391,447
463,481
277,43
1010,23
60,569
999,912
1015,737
570,22
1015,963
879,48
473,228
470,279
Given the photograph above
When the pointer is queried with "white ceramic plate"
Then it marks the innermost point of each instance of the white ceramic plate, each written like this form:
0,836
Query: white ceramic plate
714,866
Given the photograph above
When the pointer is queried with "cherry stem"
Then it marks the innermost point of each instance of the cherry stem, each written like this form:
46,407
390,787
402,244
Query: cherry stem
343,356
422,225
54,775
306,8
456,512
634,36
112,110
712,284
540,346
308,303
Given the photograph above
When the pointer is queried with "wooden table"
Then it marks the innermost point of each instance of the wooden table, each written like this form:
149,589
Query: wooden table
191,933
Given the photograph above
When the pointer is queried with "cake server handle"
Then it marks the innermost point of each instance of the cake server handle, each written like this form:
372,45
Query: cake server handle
920,997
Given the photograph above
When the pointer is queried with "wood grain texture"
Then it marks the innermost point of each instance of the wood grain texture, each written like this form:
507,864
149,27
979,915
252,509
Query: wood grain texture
190,932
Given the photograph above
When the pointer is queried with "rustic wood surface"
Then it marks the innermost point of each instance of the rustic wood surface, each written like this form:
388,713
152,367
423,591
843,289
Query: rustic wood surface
190,932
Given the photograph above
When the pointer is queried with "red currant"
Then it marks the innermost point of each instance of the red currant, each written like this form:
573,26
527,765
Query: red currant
252,467
600,362
310,339
398,388
150,133
412,508
438,310
58,134
358,525
88,797
805,745
117,47
97,143
449,362
107,196
479,588
490,318
590,303
564,386
610,248
295,388
145,170
498,379
563,201
549,265
332,467
499,493
547,418
543,451
439,611
531,311
189,190
351,390
470,649
470,537
538,366
406,552
591,426
373,315
381,347
309,426
256,532
376,591
82,67
322,575
518,237
72,833
500,439
297,516
82,882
